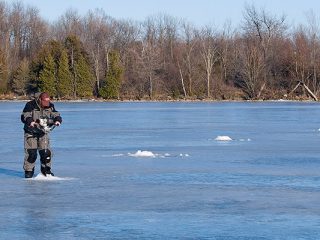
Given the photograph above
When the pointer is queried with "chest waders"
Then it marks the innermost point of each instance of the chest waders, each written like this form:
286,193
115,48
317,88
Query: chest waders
38,121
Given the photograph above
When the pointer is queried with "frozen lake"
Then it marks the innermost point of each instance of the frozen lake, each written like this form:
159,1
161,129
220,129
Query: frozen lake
159,171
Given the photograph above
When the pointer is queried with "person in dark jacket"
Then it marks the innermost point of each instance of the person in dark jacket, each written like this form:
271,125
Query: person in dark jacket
39,117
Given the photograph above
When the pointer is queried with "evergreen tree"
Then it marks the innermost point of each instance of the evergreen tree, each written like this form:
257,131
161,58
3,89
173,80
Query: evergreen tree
77,56
55,48
64,77
74,48
84,78
111,88
21,78
47,76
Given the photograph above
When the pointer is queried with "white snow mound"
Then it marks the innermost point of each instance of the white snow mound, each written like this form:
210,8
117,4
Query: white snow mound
140,153
41,177
223,138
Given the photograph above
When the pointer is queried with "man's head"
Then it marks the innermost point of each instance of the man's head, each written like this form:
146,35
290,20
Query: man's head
44,99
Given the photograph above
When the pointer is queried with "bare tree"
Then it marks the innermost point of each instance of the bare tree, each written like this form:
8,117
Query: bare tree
68,24
3,73
4,47
4,30
209,53
96,39
301,56
16,19
35,32
150,54
189,40
225,44
178,59
313,30
263,28
251,68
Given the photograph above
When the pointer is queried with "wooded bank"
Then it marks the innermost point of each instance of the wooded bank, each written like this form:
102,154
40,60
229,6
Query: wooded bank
161,58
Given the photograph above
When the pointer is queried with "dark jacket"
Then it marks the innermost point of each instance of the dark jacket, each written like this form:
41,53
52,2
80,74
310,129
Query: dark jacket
32,112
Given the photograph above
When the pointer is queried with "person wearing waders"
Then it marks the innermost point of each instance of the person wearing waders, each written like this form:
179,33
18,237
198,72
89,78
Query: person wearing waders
39,117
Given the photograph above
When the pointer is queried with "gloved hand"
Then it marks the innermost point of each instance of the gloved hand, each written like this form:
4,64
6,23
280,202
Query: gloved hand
57,123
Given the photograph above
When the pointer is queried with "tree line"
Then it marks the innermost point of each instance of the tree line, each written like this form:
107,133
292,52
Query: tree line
162,57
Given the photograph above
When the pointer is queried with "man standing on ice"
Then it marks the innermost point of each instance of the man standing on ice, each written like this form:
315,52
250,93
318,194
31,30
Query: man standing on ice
39,117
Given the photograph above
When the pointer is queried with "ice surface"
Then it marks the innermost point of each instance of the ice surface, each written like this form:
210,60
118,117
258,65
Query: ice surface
264,189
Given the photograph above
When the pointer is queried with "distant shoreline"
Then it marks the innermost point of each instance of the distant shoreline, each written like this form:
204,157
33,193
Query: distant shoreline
155,101
13,98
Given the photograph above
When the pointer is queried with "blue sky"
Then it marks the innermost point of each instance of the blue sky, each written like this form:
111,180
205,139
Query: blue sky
199,12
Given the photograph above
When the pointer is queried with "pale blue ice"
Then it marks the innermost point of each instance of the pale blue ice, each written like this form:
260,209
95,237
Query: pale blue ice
264,184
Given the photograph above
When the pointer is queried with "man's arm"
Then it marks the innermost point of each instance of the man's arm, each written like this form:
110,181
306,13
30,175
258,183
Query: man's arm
26,115
57,119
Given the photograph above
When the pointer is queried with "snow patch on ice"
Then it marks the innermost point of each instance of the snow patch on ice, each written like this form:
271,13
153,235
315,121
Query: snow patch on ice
41,177
184,155
244,140
149,154
140,153
228,139
223,138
